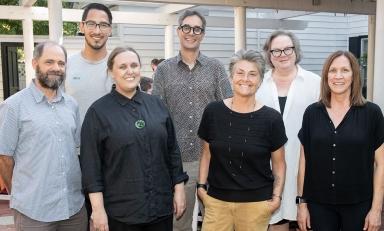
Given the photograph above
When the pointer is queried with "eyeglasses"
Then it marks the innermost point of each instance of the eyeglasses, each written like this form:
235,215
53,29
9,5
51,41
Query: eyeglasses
103,26
187,28
287,51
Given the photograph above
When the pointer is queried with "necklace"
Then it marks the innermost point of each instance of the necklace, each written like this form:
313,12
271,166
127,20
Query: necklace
237,167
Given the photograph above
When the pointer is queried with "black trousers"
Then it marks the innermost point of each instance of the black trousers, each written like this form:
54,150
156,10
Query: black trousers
162,225
326,217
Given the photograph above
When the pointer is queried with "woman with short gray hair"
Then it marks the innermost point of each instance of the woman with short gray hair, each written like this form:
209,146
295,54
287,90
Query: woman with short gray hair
241,136
289,89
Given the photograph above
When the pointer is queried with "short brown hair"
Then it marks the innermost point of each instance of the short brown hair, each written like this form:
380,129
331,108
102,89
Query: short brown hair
96,6
189,13
145,83
119,50
156,61
356,98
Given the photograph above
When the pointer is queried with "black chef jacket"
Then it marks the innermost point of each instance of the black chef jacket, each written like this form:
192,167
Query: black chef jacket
129,153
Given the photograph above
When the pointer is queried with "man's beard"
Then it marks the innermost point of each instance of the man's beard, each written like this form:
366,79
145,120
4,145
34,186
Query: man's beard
50,79
97,45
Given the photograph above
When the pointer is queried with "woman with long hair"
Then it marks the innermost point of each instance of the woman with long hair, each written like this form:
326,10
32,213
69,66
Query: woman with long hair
341,173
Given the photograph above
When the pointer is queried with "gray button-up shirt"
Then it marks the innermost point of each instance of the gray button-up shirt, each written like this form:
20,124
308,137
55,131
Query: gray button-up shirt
42,137
186,93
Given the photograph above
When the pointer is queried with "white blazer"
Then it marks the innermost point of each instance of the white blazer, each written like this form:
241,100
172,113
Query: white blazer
304,90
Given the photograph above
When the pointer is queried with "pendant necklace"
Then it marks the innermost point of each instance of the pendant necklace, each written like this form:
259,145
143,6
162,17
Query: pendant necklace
245,139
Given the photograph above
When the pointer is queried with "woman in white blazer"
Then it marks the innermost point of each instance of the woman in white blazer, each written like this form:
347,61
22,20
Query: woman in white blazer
289,89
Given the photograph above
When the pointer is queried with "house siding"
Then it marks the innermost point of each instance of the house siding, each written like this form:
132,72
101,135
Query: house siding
325,33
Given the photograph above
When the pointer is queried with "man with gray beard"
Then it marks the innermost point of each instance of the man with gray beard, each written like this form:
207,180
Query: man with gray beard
39,133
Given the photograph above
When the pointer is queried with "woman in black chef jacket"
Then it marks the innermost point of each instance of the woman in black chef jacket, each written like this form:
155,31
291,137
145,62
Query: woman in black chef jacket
341,170
130,159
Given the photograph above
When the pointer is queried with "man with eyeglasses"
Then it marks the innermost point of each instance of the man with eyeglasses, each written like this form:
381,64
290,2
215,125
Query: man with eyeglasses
187,83
87,78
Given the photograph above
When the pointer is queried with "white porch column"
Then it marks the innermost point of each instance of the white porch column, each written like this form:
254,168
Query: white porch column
28,49
240,28
168,41
378,90
371,56
55,21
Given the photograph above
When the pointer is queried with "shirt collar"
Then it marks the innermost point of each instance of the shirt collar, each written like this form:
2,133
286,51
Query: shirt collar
122,100
202,59
39,96
300,74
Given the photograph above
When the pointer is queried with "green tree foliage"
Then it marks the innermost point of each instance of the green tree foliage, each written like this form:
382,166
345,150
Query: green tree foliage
14,27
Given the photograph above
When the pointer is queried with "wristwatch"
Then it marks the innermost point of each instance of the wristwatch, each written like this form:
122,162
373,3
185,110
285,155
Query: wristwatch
300,199
204,186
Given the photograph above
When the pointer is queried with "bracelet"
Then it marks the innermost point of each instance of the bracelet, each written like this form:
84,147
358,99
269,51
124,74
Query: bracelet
204,186
275,195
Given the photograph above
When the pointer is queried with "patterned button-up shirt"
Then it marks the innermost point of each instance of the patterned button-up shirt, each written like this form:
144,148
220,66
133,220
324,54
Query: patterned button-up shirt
41,137
186,93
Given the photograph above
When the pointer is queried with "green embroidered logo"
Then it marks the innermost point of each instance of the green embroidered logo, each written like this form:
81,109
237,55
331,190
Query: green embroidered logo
140,124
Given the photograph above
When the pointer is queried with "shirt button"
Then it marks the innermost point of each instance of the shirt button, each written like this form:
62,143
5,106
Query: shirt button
190,88
52,107
333,172
191,144
190,130
335,132
190,117
334,145
190,103
333,158
333,185
133,109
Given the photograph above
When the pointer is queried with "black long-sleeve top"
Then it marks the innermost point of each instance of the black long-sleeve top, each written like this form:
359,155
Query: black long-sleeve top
129,153
339,161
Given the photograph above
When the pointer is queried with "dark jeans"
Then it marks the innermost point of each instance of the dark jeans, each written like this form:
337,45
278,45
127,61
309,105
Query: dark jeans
326,217
162,225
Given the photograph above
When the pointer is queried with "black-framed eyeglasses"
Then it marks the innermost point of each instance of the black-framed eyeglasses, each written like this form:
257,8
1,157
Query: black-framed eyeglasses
103,26
287,51
187,28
